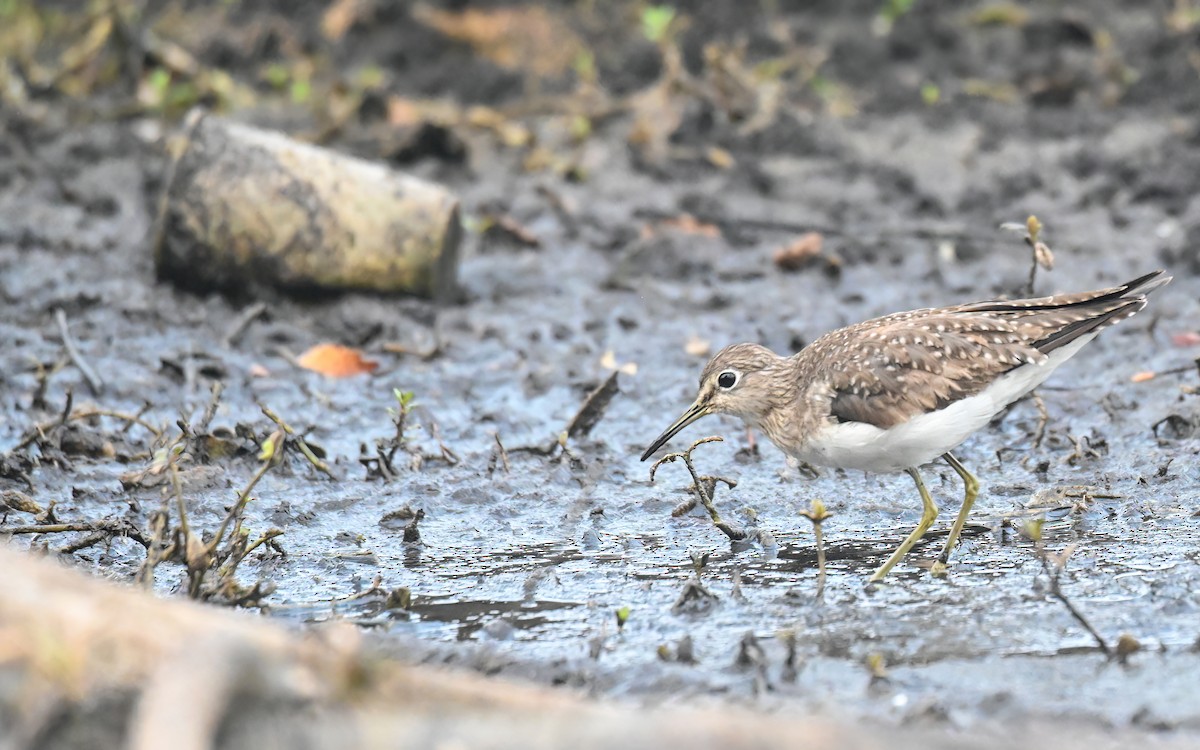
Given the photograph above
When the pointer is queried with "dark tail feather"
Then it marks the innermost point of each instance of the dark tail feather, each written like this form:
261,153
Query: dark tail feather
1146,284
1130,290
1084,326
1108,308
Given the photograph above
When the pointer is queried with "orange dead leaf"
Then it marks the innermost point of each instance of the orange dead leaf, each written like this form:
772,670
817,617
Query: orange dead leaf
688,224
258,371
1186,338
409,113
505,227
1142,377
339,17
799,254
403,112
519,38
336,361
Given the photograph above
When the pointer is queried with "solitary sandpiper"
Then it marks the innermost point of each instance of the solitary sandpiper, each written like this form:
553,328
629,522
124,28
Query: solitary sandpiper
900,391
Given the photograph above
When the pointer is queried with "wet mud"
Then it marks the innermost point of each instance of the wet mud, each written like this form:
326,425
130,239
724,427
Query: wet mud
527,560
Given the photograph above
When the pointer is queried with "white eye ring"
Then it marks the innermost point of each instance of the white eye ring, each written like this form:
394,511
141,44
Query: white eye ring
728,379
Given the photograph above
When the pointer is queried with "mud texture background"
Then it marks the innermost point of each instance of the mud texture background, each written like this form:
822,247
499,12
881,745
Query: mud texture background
905,147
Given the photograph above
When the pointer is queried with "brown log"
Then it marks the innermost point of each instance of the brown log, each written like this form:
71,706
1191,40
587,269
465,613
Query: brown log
245,207
92,664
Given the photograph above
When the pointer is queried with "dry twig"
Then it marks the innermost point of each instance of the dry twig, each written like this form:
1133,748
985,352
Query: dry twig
817,515
94,381
304,448
703,486
1053,565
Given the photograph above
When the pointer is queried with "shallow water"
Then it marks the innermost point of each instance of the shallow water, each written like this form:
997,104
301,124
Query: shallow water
522,571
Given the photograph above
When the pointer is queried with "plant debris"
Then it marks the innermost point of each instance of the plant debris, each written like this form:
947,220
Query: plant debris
593,407
703,487
1053,566
803,253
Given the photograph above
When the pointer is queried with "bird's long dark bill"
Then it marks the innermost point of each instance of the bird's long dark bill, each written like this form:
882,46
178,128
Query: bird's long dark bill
694,412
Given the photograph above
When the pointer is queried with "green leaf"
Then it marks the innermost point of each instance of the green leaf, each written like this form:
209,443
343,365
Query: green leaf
581,127
893,9
584,65
656,20
301,91
270,446
623,616
276,75
160,80
370,77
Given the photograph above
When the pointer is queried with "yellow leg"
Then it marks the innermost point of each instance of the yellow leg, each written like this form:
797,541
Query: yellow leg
928,515
972,491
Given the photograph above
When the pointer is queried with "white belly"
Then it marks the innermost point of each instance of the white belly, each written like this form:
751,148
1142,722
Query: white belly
857,445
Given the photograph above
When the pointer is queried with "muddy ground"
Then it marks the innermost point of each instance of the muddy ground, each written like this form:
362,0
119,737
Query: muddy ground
1090,118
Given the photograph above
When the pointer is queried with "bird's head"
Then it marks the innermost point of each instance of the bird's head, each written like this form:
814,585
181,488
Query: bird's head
744,380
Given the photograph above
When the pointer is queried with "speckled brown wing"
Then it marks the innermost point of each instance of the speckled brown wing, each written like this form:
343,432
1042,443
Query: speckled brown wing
885,371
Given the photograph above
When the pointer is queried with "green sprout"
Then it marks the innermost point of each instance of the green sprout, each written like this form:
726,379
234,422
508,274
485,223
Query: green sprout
656,22
892,10
623,617
404,398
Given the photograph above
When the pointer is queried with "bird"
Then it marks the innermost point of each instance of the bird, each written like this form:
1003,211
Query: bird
898,392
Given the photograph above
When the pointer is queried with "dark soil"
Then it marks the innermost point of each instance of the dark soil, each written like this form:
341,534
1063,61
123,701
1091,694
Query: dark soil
1090,122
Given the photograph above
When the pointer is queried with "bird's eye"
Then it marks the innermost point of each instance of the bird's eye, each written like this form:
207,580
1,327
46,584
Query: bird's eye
727,379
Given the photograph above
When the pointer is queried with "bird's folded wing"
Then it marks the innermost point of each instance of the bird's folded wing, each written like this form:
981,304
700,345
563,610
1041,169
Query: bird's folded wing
888,370
909,366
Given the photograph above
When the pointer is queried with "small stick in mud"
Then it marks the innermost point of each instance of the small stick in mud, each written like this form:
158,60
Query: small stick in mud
447,455
593,407
695,598
94,381
499,455
211,565
412,534
1042,256
1039,432
101,530
65,416
752,655
1053,565
382,465
202,558
38,401
703,485
589,414
38,432
817,515
1082,450
304,447
242,322
210,411
159,549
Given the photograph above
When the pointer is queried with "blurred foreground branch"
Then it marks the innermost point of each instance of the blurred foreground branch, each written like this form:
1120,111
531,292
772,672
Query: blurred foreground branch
158,673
